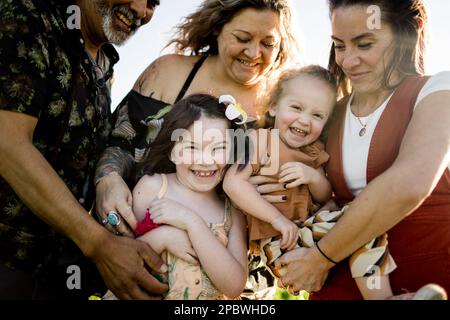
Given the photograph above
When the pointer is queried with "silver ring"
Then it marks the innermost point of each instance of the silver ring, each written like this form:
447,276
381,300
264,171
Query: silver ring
105,222
113,218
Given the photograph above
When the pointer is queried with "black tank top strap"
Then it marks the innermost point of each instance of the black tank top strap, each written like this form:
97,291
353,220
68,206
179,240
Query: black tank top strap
191,76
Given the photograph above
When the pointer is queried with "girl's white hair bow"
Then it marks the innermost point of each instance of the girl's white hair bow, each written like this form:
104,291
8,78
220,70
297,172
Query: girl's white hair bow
234,110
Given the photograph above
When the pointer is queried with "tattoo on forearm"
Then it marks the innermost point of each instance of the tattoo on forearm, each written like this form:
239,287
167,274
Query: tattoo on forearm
114,159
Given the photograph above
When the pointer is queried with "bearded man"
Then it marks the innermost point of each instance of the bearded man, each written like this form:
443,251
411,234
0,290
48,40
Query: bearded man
54,121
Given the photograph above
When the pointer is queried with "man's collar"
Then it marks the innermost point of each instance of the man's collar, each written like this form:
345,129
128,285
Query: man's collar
111,53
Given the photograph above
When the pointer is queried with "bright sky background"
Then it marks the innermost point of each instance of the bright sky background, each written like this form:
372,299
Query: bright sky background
312,26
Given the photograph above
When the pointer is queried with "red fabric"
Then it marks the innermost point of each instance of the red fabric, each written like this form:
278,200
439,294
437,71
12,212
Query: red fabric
334,166
145,225
420,243
420,246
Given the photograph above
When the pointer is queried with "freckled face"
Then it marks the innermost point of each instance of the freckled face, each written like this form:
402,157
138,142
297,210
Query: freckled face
303,110
249,45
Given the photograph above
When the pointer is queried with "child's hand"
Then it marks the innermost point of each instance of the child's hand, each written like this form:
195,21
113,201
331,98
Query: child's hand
297,173
289,232
172,239
166,211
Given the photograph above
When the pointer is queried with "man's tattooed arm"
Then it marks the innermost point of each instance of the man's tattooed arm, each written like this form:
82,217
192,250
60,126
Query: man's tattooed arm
114,160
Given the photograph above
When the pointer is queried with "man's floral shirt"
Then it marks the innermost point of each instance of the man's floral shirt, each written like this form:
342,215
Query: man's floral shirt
46,73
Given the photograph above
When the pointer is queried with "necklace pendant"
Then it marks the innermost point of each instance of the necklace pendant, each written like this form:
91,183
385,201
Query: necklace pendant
362,132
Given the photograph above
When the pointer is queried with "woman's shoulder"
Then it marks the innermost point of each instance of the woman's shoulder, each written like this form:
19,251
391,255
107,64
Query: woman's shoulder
176,63
442,74
437,82
165,76
439,79
160,68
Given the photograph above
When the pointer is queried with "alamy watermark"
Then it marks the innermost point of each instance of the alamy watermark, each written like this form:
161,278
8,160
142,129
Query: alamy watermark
241,147
74,20
374,19
73,281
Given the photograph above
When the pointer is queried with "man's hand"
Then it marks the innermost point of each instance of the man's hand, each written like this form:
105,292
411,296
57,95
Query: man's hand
113,194
124,264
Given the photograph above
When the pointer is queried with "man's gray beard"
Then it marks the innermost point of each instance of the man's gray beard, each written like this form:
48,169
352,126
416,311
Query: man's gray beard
113,36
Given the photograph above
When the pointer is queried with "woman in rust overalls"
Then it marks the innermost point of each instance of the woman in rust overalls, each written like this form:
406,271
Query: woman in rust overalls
389,153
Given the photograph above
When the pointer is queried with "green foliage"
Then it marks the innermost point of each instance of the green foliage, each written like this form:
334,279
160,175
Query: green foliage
282,294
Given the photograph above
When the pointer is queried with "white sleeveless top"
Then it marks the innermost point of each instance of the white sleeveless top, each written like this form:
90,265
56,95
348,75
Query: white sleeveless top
355,149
